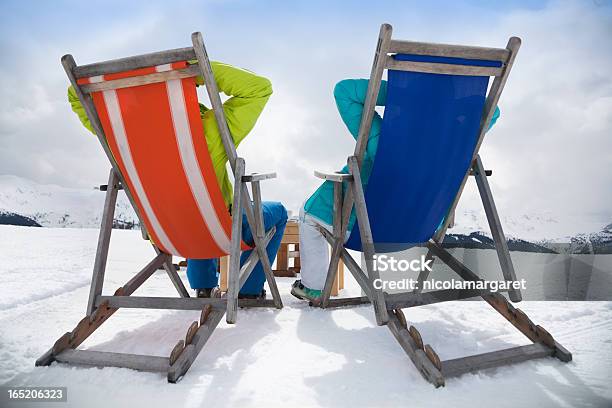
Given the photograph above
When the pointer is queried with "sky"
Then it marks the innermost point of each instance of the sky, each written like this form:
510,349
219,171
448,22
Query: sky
551,150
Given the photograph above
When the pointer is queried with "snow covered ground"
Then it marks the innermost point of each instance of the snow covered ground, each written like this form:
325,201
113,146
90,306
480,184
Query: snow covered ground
298,356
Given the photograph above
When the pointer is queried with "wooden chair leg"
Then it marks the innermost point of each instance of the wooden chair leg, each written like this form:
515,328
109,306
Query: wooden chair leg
296,260
282,261
341,274
339,280
335,289
223,269
234,259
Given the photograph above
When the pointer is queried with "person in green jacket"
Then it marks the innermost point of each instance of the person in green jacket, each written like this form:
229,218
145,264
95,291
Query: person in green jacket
248,93
350,97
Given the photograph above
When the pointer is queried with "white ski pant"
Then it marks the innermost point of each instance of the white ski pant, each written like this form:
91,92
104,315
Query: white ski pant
314,251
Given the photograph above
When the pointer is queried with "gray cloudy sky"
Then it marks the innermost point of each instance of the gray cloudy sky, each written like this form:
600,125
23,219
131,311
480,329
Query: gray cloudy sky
551,150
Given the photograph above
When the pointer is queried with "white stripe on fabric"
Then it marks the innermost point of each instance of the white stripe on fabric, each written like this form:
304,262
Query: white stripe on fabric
192,170
162,68
96,79
116,119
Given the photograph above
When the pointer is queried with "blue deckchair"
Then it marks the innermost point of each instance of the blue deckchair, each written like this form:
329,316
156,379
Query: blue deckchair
436,114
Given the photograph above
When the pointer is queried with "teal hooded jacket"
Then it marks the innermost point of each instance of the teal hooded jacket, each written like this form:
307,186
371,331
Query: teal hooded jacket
350,97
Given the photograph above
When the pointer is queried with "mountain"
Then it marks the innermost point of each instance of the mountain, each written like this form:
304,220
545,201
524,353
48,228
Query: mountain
9,218
540,232
592,243
601,242
525,233
481,240
24,202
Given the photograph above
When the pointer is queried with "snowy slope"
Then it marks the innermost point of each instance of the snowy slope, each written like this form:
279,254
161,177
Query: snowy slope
24,202
533,227
530,227
295,357
598,242
56,206
536,232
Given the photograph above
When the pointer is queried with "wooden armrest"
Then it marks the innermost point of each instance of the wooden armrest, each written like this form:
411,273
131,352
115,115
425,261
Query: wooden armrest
104,187
335,177
488,173
258,177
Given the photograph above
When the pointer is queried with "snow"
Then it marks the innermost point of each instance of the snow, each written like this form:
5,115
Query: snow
56,206
532,227
298,356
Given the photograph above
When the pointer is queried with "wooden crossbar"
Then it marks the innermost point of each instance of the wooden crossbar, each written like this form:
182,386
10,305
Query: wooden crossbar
108,359
410,299
462,365
153,302
135,62
156,77
448,50
156,302
446,69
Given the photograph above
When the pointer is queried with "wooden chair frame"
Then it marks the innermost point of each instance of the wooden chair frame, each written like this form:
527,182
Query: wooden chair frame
99,307
388,307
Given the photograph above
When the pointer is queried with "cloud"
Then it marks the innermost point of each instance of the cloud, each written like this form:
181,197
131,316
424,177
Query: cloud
551,150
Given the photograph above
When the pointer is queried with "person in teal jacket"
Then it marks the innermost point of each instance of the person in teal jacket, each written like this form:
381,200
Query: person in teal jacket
350,97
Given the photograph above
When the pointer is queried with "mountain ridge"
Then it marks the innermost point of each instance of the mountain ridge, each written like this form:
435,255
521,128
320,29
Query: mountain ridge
27,203
50,205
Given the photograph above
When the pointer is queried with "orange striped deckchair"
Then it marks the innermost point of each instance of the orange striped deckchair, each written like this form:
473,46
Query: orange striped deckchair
144,110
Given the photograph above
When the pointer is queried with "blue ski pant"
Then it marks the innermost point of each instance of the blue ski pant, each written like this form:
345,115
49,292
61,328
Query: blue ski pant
202,273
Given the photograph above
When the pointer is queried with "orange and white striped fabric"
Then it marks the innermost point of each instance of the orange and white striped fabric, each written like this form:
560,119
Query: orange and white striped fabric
156,136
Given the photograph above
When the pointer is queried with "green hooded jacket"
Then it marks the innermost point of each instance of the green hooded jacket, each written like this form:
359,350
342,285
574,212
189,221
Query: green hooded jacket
248,94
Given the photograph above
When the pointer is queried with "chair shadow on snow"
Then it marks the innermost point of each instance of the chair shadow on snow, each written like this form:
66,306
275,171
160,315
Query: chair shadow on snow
224,358
374,361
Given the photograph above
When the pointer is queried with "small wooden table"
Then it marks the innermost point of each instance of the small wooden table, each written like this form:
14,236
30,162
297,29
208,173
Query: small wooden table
290,237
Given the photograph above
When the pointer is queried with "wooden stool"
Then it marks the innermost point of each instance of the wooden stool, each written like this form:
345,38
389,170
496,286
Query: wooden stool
290,237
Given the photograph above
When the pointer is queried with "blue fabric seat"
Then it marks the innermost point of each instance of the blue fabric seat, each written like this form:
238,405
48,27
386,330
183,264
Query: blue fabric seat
429,132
